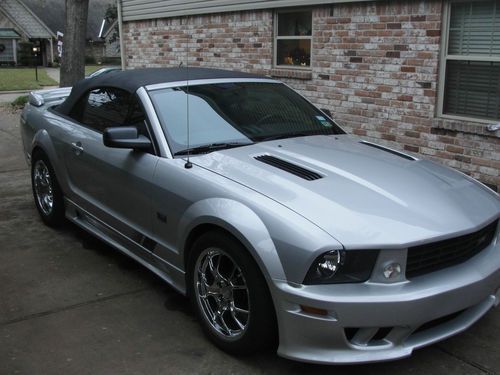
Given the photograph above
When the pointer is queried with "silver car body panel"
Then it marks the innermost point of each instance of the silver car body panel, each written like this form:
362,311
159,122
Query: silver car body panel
155,123
148,205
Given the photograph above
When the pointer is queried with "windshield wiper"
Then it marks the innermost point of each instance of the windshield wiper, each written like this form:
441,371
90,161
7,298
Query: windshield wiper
211,147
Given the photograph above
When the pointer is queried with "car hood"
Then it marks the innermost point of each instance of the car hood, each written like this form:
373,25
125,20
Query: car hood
367,197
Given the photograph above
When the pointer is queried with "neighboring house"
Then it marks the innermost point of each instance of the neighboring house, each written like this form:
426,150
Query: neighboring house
52,12
37,22
18,23
8,45
418,75
109,35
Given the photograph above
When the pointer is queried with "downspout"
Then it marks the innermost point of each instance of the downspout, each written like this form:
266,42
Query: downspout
120,32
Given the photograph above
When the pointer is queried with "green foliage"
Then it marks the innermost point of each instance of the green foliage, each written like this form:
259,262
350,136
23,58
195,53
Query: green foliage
111,16
111,13
20,101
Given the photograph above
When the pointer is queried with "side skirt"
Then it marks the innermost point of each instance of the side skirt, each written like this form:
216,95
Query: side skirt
171,274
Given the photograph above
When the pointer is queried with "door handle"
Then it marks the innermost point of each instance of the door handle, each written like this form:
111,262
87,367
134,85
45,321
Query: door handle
77,147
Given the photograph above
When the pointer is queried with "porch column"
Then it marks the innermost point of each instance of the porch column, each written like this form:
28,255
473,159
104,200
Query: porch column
51,51
14,50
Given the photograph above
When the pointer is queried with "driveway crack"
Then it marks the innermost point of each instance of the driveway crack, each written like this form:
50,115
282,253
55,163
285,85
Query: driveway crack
469,362
70,307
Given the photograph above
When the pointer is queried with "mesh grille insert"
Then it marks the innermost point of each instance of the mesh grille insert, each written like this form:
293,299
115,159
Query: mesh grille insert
442,254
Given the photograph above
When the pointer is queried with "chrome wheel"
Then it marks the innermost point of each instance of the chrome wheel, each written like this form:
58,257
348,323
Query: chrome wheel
43,187
222,294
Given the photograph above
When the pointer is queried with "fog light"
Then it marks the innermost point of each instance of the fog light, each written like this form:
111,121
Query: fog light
392,270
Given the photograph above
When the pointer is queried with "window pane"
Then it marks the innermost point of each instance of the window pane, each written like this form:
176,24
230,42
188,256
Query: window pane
105,108
236,112
293,52
473,89
475,28
6,52
294,23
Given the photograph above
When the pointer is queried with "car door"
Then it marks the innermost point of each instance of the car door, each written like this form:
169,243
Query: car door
113,185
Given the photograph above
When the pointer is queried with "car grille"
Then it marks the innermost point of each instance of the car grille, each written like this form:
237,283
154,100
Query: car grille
442,254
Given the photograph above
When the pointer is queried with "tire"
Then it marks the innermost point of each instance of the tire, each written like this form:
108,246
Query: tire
46,190
216,291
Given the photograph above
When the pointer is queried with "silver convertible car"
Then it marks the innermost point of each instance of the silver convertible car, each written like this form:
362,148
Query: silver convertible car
284,231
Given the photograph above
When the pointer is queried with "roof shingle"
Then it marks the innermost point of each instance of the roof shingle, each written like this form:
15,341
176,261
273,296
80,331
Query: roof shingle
25,19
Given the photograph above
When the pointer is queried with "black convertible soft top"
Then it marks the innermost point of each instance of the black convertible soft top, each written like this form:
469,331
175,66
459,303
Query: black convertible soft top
131,80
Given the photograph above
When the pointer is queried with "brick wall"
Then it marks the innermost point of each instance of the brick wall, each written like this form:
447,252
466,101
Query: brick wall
237,41
374,65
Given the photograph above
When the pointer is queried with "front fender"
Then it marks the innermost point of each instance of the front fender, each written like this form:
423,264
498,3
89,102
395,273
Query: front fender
242,222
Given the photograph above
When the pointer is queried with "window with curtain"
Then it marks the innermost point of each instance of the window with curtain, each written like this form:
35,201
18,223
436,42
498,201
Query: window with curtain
293,38
472,58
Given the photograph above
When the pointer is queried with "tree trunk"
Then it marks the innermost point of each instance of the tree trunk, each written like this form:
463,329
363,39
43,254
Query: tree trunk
73,55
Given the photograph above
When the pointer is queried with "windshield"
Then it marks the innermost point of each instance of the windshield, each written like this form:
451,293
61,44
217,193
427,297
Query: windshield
234,114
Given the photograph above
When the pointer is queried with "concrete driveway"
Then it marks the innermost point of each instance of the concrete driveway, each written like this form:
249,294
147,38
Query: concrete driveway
69,304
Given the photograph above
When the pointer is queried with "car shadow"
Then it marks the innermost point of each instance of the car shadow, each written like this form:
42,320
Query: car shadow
174,300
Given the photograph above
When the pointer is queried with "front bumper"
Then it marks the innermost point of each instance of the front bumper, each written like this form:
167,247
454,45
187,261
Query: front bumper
371,322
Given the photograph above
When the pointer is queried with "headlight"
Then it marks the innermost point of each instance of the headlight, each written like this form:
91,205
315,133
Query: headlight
340,266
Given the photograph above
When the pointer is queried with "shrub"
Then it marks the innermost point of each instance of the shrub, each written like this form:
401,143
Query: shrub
20,101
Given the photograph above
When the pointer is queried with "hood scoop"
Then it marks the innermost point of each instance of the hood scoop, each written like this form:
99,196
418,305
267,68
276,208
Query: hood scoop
284,165
394,152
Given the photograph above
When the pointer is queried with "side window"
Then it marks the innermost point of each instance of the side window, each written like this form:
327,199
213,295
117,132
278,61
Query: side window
107,107
136,116
102,108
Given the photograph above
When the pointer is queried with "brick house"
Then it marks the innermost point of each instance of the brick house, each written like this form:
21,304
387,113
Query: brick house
417,75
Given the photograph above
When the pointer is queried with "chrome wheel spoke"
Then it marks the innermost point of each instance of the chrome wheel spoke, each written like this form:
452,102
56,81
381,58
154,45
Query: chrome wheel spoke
211,266
237,321
218,277
224,324
240,310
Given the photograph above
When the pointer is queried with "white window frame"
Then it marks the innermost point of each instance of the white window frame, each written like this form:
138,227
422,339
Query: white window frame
277,12
444,57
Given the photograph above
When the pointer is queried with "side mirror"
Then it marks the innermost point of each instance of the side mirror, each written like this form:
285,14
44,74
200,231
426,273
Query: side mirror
125,137
327,112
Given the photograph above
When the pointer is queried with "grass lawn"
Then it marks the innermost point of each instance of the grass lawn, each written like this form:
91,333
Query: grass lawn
24,79
89,69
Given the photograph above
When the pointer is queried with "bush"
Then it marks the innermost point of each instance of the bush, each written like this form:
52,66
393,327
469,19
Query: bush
20,101
111,61
90,60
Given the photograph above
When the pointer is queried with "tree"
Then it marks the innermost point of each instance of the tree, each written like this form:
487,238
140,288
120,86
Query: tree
75,30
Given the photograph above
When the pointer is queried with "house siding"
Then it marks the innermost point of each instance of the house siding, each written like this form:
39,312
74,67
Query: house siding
150,9
374,65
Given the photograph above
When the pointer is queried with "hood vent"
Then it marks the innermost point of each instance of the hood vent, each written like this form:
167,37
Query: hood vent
306,174
394,152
